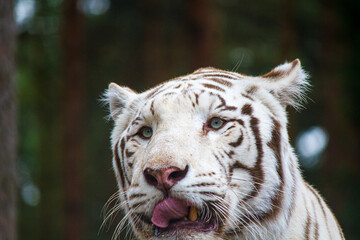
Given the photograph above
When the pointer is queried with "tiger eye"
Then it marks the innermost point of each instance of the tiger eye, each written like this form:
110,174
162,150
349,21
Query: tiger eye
146,132
216,123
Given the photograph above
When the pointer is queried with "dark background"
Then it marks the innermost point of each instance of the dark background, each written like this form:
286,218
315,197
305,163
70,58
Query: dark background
68,51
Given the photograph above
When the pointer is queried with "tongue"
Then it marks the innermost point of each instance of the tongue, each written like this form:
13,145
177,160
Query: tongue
168,209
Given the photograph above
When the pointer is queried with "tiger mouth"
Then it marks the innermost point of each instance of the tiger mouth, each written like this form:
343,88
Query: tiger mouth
185,225
174,215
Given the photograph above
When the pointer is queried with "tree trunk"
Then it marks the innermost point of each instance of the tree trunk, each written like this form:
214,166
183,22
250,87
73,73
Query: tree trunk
342,135
204,33
8,127
73,119
156,65
342,153
288,44
288,30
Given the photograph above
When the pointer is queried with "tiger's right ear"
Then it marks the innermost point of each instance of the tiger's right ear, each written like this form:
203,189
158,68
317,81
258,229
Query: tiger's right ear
118,99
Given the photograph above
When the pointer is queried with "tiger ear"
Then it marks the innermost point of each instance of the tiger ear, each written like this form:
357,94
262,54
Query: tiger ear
287,82
118,99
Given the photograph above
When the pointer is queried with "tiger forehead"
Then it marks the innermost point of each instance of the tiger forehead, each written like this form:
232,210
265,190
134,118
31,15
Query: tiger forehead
184,93
206,78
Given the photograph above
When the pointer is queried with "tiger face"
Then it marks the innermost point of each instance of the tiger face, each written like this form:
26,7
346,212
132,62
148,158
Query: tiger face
206,155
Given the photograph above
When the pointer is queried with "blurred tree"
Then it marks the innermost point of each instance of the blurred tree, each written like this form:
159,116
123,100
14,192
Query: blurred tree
288,30
156,65
8,127
73,94
38,62
288,35
203,31
142,43
342,153
335,119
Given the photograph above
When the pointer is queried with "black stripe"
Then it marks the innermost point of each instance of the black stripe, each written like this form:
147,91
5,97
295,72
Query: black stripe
275,145
178,86
308,221
220,163
247,96
128,153
138,195
211,86
197,98
211,193
203,184
321,206
221,81
247,109
229,108
153,92
241,122
293,188
122,151
307,226
139,204
223,104
238,141
229,154
251,90
169,94
316,225
152,110
257,171
220,75
118,165
228,132
134,122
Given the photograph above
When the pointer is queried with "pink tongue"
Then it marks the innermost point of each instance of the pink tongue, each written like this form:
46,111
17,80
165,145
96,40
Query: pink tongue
168,209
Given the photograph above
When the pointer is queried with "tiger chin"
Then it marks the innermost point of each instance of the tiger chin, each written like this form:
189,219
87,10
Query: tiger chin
207,156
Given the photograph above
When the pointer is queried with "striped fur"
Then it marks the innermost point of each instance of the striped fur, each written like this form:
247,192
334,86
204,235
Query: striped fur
245,174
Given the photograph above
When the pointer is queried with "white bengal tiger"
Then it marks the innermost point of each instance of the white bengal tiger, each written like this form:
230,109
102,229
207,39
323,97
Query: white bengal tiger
207,156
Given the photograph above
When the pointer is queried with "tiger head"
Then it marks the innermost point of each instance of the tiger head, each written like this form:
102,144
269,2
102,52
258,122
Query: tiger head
206,155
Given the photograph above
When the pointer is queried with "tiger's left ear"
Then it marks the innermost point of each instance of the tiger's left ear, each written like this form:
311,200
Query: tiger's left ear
287,82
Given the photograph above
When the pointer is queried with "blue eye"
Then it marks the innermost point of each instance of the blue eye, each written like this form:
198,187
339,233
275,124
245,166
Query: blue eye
146,132
216,123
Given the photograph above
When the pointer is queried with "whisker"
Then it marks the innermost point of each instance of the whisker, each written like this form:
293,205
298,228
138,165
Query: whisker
121,224
237,65
113,212
253,224
112,198
223,211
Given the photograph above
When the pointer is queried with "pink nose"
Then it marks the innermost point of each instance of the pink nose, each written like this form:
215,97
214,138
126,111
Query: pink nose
164,178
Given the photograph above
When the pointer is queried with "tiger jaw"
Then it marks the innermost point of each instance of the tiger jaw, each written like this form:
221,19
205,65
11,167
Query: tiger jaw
194,222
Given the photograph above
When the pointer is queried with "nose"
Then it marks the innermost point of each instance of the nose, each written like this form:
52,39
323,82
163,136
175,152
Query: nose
164,178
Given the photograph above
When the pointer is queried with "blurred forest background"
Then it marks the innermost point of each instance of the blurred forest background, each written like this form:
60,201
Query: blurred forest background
68,51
